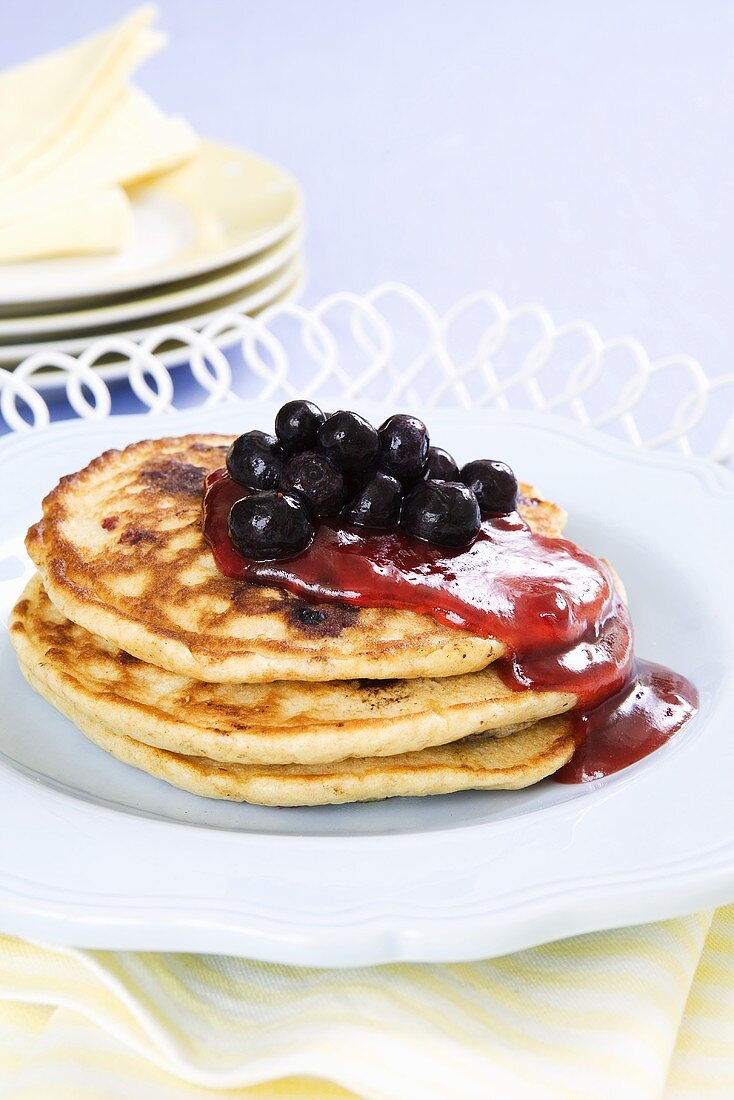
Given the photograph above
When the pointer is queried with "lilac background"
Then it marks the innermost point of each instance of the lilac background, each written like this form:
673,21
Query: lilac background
575,154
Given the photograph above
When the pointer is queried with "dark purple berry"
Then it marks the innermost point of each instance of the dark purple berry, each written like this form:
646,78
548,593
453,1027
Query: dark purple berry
494,485
377,504
348,440
267,526
356,480
442,512
254,460
297,426
316,480
440,466
403,446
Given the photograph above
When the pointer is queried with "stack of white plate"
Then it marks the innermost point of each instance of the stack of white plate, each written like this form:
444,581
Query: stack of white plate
222,233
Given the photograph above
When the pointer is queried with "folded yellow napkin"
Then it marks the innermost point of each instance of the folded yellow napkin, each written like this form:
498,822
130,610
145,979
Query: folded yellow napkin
636,1013
50,104
73,133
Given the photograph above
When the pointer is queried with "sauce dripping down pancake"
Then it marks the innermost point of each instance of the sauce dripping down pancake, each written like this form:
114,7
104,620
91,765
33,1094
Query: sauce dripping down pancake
553,605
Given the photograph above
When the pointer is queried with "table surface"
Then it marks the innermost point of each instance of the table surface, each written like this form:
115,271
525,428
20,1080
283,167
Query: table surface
573,154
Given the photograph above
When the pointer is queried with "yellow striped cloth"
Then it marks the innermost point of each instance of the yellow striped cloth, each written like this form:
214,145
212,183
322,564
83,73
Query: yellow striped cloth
636,1013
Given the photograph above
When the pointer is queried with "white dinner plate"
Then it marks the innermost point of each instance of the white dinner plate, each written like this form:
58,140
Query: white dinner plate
95,853
172,353
219,208
193,292
245,300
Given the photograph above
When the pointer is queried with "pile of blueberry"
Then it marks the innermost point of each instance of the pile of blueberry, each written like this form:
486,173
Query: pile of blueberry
338,465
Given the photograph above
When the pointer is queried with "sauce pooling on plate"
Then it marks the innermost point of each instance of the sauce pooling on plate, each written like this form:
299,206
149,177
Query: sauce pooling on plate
552,605
653,705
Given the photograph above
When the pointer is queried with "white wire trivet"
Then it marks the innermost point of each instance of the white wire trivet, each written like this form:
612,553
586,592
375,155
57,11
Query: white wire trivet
391,345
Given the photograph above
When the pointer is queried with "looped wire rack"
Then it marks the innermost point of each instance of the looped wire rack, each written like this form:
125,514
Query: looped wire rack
391,345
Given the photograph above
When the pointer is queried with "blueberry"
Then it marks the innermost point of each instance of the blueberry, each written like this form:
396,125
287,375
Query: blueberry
316,480
348,440
443,512
253,460
355,480
377,504
440,466
494,485
297,426
269,525
403,446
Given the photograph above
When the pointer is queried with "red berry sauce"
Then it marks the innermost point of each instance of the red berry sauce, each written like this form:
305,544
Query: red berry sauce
551,604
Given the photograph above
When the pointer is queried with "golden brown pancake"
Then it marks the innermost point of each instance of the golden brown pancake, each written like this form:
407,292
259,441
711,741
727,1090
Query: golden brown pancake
274,723
491,763
121,551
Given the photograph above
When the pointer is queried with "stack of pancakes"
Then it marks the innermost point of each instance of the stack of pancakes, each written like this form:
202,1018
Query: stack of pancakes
235,690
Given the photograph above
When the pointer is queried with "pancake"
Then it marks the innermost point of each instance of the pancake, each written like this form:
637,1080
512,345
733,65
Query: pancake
484,763
121,551
259,723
